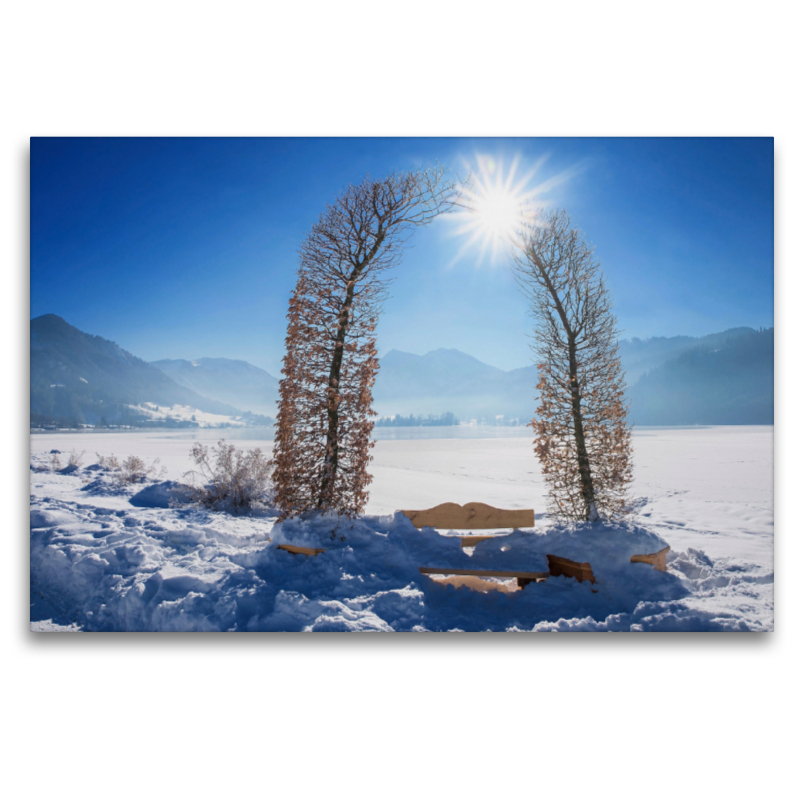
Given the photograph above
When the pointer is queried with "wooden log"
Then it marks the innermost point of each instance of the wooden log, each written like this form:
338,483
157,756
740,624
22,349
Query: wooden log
581,571
301,551
471,516
658,560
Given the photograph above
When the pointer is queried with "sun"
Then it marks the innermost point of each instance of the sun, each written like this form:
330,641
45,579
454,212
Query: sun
494,206
498,212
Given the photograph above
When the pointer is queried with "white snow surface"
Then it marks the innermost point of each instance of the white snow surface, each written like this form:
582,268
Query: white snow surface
205,419
111,557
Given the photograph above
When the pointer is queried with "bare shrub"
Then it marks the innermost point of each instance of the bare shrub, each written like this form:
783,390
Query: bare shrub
229,479
132,469
135,470
110,463
55,461
76,458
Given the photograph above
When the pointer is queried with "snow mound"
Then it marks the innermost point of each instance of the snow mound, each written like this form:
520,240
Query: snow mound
162,495
112,556
106,485
48,626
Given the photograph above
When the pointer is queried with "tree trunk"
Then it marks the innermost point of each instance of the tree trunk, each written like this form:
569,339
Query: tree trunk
584,468
587,485
332,440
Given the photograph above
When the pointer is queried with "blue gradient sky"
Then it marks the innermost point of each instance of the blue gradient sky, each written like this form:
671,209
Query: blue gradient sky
184,248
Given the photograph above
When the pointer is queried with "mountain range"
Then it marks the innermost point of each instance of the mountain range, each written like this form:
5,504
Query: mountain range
724,378
720,379
77,378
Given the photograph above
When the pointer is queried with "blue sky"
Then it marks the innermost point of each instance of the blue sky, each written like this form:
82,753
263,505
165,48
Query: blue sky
184,248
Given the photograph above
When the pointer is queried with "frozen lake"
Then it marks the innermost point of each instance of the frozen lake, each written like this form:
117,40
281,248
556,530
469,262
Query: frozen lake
704,487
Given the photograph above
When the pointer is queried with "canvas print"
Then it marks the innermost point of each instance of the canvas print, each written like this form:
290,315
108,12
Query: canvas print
401,384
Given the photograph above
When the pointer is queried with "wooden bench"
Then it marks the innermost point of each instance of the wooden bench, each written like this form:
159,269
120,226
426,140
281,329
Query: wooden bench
479,516
658,560
472,517
301,551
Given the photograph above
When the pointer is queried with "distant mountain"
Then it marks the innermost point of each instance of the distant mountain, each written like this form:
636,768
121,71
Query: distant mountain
228,381
642,355
724,378
79,378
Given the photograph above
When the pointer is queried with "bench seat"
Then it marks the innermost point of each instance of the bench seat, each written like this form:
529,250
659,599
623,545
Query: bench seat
523,578
581,571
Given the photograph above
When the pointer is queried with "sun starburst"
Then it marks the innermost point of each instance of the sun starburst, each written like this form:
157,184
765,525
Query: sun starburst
494,206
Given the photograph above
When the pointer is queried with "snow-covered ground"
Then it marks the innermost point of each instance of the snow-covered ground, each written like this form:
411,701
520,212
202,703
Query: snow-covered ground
107,557
205,419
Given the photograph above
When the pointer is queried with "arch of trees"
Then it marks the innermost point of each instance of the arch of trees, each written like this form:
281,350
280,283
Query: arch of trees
325,418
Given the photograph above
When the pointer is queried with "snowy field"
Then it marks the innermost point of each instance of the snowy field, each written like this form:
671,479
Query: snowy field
106,557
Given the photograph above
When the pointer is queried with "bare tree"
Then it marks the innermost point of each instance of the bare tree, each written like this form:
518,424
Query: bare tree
583,439
325,416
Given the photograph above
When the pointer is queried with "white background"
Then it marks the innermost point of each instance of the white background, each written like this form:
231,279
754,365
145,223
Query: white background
390,716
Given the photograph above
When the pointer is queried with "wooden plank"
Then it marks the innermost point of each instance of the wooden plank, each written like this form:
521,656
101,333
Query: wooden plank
471,516
581,571
301,551
485,573
658,560
477,584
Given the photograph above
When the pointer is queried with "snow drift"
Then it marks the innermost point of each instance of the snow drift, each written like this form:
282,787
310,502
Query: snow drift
117,559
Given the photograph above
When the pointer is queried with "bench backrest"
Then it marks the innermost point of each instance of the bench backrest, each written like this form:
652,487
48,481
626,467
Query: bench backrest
471,517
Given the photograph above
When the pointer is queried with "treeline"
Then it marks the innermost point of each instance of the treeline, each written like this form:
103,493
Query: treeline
411,421
121,417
